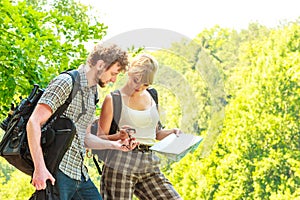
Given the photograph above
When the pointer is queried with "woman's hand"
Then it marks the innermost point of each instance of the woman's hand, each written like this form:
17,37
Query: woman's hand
177,131
161,134
126,132
122,134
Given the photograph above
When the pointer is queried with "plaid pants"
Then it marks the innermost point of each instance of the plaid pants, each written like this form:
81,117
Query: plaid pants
121,184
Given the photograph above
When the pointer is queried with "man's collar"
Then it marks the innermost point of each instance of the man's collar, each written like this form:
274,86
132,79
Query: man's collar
83,78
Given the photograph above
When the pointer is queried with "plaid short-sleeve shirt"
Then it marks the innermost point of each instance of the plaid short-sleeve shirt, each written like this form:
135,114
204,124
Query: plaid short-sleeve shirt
55,95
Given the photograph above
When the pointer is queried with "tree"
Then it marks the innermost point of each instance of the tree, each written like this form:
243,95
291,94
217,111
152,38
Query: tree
257,154
40,40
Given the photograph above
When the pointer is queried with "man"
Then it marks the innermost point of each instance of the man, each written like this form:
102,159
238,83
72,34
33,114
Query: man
103,65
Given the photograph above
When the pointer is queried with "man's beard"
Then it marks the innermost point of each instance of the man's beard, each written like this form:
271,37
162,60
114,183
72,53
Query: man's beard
101,83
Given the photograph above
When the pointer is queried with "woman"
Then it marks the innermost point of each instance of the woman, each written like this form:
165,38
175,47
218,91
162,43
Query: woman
135,172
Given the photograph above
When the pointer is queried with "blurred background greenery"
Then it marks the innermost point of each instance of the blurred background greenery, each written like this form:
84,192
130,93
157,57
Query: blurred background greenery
256,149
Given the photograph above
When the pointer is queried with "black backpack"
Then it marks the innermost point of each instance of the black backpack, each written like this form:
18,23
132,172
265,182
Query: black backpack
114,127
57,133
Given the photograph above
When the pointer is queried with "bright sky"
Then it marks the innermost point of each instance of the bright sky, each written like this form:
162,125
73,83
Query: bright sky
190,17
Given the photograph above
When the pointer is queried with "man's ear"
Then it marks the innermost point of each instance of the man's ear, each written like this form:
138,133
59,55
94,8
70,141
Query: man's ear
100,64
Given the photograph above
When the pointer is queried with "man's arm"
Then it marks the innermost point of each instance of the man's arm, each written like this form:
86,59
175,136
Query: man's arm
40,115
93,142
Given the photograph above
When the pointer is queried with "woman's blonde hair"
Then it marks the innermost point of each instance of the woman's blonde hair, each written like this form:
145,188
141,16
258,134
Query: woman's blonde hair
144,65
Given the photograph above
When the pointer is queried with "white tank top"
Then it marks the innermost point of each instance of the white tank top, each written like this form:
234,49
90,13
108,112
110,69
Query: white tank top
144,121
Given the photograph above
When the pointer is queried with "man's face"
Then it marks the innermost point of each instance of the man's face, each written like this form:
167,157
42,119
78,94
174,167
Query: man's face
109,75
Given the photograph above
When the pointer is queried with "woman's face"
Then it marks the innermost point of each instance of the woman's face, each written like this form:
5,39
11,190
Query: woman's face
136,83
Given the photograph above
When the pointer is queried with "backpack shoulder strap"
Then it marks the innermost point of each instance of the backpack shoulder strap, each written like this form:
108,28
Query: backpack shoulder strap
117,107
76,85
153,93
96,97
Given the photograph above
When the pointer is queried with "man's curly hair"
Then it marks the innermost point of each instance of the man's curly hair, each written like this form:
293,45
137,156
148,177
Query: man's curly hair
110,55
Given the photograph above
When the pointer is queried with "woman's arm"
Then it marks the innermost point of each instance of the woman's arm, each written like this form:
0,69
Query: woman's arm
105,120
162,133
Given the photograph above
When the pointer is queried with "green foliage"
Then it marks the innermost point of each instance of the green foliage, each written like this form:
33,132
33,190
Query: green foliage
18,187
257,154
38,41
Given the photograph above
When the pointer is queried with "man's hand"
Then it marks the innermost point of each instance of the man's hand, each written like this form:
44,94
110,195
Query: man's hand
128,142
39,178
125,145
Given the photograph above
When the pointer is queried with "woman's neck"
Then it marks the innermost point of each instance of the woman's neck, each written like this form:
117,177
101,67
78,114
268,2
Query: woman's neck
136,100
130,92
